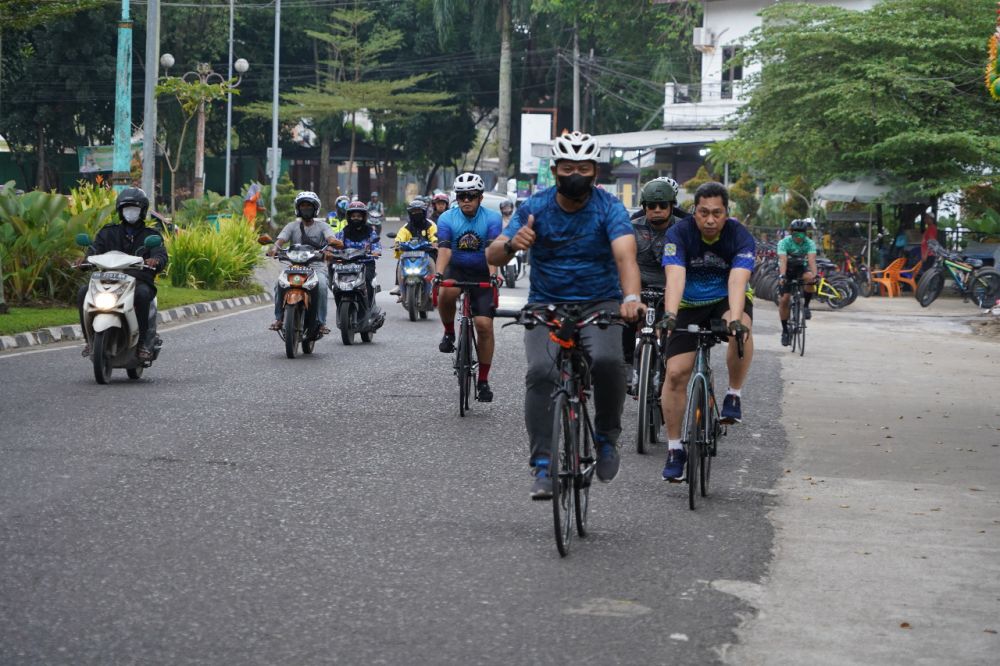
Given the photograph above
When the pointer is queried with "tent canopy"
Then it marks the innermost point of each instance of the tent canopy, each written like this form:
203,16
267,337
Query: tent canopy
871,188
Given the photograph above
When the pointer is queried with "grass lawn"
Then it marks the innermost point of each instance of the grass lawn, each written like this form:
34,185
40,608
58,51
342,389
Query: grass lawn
20,320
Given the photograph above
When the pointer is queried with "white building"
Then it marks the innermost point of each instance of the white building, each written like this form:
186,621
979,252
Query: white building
720,93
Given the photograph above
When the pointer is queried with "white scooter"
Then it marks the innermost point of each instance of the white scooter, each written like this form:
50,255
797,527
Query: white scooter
109,321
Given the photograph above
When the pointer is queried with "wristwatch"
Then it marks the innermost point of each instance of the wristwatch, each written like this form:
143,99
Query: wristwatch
508,248
631,298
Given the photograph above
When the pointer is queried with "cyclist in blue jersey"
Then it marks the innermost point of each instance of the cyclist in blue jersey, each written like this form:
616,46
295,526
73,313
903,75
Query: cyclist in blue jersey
463,234
708,258
582,251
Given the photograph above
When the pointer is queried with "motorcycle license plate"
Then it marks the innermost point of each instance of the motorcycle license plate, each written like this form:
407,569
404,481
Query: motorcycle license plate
112,276
348,268
413,255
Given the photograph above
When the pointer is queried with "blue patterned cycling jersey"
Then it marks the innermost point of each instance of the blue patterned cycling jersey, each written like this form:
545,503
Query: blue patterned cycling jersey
467,237
371,243
571,259
707,263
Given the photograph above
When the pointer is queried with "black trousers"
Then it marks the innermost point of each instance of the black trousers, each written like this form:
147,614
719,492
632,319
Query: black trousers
144,295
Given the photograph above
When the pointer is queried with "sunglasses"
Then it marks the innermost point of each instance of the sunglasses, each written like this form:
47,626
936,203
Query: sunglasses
656,205
467,196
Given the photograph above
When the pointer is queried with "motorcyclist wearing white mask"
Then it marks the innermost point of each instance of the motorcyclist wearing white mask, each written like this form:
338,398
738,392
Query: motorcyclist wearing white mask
129,237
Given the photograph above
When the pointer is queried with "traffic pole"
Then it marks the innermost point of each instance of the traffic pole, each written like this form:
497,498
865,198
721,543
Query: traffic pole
149,99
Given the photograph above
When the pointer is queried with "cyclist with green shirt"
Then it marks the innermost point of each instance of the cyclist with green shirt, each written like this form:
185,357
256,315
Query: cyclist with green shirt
796,261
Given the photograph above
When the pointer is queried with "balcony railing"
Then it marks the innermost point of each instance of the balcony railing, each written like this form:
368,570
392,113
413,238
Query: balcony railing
699,93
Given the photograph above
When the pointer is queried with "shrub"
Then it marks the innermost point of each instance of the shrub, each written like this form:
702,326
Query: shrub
194,212
201,257
37,245
87,195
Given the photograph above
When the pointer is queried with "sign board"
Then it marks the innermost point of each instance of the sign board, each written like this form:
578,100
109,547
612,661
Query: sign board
535,128
95,159
270,160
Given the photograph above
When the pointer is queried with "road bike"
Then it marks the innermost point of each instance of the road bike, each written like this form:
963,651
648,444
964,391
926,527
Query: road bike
466,361
573,458
701,426
973,281
650,372
797,317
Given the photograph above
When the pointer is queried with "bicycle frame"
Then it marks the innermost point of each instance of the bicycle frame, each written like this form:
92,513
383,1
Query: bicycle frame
960,273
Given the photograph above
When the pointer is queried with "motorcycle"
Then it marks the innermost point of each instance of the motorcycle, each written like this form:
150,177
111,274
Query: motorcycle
416,268
375,219
109,321
356,309
515,268
299,282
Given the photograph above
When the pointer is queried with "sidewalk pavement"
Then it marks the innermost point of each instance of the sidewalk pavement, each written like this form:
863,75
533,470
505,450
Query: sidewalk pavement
887,520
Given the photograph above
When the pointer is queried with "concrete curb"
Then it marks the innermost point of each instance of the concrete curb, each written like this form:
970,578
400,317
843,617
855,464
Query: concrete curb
52,334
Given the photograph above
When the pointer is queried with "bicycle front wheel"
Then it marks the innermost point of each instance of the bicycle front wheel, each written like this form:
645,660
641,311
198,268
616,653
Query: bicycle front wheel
800,328
694,435
647,423
463,369
563,468
930,286
585,468
793,321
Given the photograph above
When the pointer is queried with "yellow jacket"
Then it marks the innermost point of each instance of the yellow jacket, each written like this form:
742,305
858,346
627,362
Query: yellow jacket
404,235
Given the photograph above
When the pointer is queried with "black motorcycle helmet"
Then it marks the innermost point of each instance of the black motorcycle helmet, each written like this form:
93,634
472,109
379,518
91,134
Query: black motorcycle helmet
132,197
417,214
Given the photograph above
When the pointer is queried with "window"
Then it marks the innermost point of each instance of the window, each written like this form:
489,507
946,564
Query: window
731,72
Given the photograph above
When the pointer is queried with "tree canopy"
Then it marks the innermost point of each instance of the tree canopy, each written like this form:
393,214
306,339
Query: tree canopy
896,89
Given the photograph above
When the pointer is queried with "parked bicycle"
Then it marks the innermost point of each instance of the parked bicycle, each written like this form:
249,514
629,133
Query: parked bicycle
573,452
975,282
466,361
701,427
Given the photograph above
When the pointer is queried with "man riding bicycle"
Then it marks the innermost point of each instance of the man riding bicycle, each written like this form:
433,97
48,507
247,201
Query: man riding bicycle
463,235
658,200
708,258
796,261
582,251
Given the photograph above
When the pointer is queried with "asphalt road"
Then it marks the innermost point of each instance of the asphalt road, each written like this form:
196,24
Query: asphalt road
235,506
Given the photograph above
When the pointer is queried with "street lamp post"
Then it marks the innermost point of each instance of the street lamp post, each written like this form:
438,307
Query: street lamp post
205,75
241,66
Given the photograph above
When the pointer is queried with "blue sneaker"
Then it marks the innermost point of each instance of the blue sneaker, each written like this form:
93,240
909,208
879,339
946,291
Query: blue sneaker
541,488
673,471
731,410
608,459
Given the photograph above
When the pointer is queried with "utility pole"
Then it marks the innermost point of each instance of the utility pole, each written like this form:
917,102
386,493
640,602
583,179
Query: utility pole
275,157
229,102
149,99
576,79
123,103
503,105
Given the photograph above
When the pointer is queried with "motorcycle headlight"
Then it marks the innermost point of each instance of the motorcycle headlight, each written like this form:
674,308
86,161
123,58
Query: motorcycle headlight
312,281
415,270
105,301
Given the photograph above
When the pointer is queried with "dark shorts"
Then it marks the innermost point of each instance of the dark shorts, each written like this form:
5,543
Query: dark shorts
681,343
793,271
482,299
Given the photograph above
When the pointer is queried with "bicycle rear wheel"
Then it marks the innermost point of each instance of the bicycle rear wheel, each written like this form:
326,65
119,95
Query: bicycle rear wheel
711,438
984,287
793,320
647,421
563,467
800,327
694,436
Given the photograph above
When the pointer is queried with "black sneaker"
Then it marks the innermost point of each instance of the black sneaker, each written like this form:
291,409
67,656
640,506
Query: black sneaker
608,461
447,345
807,312
731,412
541,487
483,392
786,338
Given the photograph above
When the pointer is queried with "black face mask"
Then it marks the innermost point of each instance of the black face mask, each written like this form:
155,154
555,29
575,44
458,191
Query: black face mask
307,212
574,186
418,221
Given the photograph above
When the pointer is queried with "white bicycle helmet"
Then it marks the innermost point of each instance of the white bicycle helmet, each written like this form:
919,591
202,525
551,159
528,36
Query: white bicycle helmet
469,182
575,147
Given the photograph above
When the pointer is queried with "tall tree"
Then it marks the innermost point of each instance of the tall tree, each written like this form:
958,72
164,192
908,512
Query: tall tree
897,89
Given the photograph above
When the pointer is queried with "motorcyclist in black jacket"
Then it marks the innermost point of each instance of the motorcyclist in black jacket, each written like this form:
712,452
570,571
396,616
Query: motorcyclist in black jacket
128,237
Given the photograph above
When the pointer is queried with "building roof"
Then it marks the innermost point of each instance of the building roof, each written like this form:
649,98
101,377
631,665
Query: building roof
660,138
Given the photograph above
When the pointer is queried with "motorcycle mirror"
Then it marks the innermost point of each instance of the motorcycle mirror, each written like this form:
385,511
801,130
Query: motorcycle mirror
83,240
264,239
391,234
153,241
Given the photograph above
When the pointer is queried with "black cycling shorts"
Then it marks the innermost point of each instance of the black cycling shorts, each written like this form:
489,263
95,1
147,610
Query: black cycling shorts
482,298
794,270
680,342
